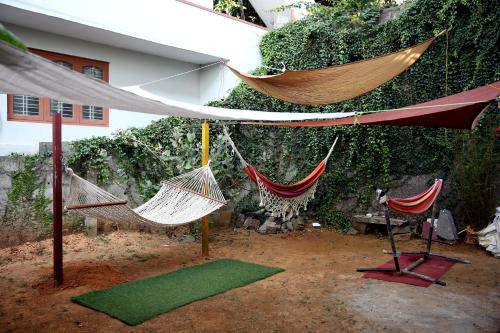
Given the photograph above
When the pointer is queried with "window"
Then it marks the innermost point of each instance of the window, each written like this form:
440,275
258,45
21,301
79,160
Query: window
34,109
25,105
93,112
65,109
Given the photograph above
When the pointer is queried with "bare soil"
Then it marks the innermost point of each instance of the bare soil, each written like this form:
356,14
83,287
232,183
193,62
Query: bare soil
320,291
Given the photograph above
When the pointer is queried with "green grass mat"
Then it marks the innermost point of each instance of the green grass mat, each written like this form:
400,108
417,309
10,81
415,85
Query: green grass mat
137,301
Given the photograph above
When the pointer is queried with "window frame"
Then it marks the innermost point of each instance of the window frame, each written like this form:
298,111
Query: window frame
44,115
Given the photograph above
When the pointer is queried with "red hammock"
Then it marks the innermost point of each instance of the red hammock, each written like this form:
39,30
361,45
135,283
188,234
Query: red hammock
287,191
416,204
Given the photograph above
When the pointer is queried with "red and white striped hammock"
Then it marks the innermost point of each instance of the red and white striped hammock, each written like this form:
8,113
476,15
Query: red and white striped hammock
283,200
418,203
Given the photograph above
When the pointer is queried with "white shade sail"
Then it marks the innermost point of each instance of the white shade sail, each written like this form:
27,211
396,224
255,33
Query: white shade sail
25,73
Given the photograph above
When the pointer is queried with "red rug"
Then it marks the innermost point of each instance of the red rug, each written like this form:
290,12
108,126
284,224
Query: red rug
433,267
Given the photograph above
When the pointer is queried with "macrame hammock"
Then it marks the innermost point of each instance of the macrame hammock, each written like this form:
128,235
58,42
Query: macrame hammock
283,200
181,200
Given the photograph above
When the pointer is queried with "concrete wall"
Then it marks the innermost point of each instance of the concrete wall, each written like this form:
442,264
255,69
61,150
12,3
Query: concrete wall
182,29
167,22
273,19
205,3
170,27
126,68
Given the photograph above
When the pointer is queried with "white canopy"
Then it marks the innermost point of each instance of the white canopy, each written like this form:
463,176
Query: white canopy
25,73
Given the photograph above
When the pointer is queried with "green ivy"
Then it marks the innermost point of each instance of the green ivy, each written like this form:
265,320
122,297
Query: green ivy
162,150
371,157
333,218
27,202
366,157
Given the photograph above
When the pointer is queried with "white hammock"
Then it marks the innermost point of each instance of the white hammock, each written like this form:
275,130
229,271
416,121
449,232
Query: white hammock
180,200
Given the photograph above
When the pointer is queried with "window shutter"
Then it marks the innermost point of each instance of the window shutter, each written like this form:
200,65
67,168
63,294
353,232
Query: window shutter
26,105
65,109
90,112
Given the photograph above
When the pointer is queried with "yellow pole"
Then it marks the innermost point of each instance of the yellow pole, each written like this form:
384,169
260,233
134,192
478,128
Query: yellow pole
205,144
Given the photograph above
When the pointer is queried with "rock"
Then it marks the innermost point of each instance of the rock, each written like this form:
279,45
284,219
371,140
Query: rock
257,212
290,226
446,226
222,217
5,181
251,223
299,220
359,227
401,229
402,237
270,219
269,228
316,225
298,223
186,239
352,231
240,221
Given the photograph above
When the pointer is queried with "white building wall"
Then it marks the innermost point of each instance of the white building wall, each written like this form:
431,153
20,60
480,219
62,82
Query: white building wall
126,68
172,23
205,3
158,31
166,22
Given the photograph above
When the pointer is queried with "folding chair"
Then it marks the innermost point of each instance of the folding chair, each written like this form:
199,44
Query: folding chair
414,205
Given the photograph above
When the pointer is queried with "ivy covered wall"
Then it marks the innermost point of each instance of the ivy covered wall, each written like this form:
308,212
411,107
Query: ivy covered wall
366,157
374,156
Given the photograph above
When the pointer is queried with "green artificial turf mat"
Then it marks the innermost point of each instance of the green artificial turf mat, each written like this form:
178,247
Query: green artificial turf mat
137,301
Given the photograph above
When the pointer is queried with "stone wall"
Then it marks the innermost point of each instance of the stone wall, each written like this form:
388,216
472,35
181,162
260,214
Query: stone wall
9,165
390,13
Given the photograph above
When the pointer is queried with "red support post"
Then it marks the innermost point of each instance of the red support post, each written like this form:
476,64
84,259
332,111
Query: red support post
57,198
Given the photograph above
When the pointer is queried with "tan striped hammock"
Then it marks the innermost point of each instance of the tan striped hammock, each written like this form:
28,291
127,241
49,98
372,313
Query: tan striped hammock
335,83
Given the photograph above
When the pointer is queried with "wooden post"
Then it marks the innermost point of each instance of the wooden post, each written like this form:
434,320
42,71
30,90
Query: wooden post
57,198
205,144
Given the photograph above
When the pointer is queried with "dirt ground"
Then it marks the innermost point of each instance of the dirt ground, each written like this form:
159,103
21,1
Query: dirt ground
320,291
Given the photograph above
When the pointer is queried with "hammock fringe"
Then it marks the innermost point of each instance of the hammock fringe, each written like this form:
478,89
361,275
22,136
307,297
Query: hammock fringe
283,201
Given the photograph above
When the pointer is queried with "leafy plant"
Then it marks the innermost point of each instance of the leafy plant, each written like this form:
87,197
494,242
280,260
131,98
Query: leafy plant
238,8
331,217
365,157
27,203
371,157
162,150
475,169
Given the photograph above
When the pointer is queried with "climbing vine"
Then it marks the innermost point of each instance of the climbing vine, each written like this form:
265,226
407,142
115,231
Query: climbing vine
27,203
162,150
365,157
370,157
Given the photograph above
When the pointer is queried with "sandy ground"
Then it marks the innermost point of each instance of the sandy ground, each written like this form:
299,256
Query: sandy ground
320,291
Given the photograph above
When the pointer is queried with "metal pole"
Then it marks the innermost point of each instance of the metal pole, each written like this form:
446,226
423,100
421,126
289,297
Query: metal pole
431,231
205,143
57,198
391,237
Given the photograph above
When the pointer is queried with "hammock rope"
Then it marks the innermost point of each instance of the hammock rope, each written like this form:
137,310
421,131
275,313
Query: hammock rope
283,201
180,200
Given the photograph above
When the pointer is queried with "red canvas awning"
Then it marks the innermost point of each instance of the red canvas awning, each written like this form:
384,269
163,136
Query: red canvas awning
461,110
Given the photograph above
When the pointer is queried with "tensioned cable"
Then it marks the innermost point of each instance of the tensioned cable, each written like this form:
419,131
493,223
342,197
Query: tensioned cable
180,74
